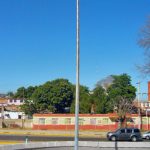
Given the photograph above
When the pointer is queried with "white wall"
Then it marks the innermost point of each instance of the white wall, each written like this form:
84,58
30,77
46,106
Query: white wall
15,102
12,115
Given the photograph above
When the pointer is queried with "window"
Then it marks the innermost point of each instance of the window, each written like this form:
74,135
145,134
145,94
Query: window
68,121
93,121
129,131
54,120
105,120
81,121
10,100
19,116
15,100
42,121
122,130
136,130
99,122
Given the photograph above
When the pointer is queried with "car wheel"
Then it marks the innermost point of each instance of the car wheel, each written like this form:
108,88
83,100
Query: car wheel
134,138
147,137
113,138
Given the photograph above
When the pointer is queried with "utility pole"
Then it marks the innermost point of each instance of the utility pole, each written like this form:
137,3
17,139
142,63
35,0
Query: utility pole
139,113
77,76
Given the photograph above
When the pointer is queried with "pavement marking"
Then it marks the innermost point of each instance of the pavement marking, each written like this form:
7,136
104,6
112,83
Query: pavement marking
71,134
10,142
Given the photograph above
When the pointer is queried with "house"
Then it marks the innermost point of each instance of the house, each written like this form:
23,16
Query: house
16,102
9,108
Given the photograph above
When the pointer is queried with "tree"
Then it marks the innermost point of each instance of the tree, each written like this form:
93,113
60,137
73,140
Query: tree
144,42
29,91
41,99
28,107
99,100
21,93
10,94
84,101
53,96
24,93
61,94
121,95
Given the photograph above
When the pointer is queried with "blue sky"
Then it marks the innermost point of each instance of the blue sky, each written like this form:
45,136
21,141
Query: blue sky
38,41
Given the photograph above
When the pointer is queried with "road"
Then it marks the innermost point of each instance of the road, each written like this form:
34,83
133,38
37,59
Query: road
45,138
48,138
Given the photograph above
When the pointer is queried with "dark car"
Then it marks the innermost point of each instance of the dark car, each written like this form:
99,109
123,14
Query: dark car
125,134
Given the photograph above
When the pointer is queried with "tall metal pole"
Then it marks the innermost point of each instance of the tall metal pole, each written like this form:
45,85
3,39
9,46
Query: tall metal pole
139,113
77,77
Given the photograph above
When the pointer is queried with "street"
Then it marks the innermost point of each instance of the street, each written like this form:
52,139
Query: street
32,138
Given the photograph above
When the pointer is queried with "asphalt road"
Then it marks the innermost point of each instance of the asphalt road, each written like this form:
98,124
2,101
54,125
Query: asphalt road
45,138
48,138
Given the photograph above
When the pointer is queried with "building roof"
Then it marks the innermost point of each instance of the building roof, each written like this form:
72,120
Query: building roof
3,100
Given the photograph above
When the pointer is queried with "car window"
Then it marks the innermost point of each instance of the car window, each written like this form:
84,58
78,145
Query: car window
129,131
136,130
122,130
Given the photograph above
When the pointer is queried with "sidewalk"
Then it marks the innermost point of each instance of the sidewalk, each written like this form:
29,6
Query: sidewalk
82,133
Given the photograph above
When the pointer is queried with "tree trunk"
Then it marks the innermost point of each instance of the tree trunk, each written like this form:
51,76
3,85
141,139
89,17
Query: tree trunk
122,123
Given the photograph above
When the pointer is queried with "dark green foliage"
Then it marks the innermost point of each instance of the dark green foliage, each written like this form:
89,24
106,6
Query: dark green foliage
121,86
28,108
21,93
99,100
53,96
29,91
84,101
25,93
58,95
121,95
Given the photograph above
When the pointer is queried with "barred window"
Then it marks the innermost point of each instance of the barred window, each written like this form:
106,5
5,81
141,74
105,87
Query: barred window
68,121
93,121
99,122
105,120
54,120
42,121
81,121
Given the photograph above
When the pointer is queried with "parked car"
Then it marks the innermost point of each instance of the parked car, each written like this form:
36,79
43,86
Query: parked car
146,135
125,134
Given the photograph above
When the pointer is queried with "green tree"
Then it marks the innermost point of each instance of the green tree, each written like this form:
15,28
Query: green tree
121,94
21,93
41,99
25,93
84,101
29,91
99,100
10,94
53,96
28,108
